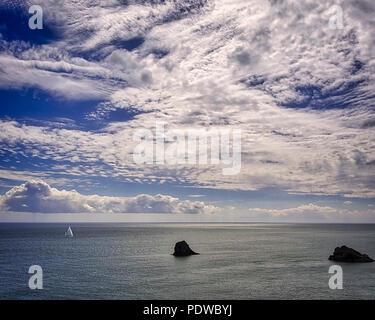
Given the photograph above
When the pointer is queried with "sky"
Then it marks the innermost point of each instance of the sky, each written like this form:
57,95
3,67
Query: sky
296,78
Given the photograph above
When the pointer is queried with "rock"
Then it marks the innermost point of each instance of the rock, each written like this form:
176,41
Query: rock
182,249
345,254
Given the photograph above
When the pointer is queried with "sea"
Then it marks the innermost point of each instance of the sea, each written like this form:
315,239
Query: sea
135,261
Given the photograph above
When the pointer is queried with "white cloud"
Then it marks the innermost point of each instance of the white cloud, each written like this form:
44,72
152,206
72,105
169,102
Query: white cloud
38,196
312,213
60,78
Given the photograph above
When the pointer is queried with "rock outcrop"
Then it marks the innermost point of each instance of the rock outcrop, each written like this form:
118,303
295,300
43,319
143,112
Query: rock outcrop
182,249
345,254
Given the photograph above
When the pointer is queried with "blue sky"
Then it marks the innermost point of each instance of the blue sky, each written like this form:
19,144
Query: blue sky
74,93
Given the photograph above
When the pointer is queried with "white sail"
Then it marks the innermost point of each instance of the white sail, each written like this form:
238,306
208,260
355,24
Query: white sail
69,232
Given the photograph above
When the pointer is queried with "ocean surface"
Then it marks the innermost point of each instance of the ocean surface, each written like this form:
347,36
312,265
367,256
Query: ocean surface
134,261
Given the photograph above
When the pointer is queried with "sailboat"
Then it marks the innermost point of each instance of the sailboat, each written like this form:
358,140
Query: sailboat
69,233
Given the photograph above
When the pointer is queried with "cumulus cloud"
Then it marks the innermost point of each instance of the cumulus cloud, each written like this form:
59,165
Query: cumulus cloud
38,196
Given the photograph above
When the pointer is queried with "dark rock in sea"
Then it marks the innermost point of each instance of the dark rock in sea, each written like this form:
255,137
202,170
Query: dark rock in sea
345,254
182,249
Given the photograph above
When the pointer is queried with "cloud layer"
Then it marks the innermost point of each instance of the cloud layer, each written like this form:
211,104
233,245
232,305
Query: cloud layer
38,196
312,213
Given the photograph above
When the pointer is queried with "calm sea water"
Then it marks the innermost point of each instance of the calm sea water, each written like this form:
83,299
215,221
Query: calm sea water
125,261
